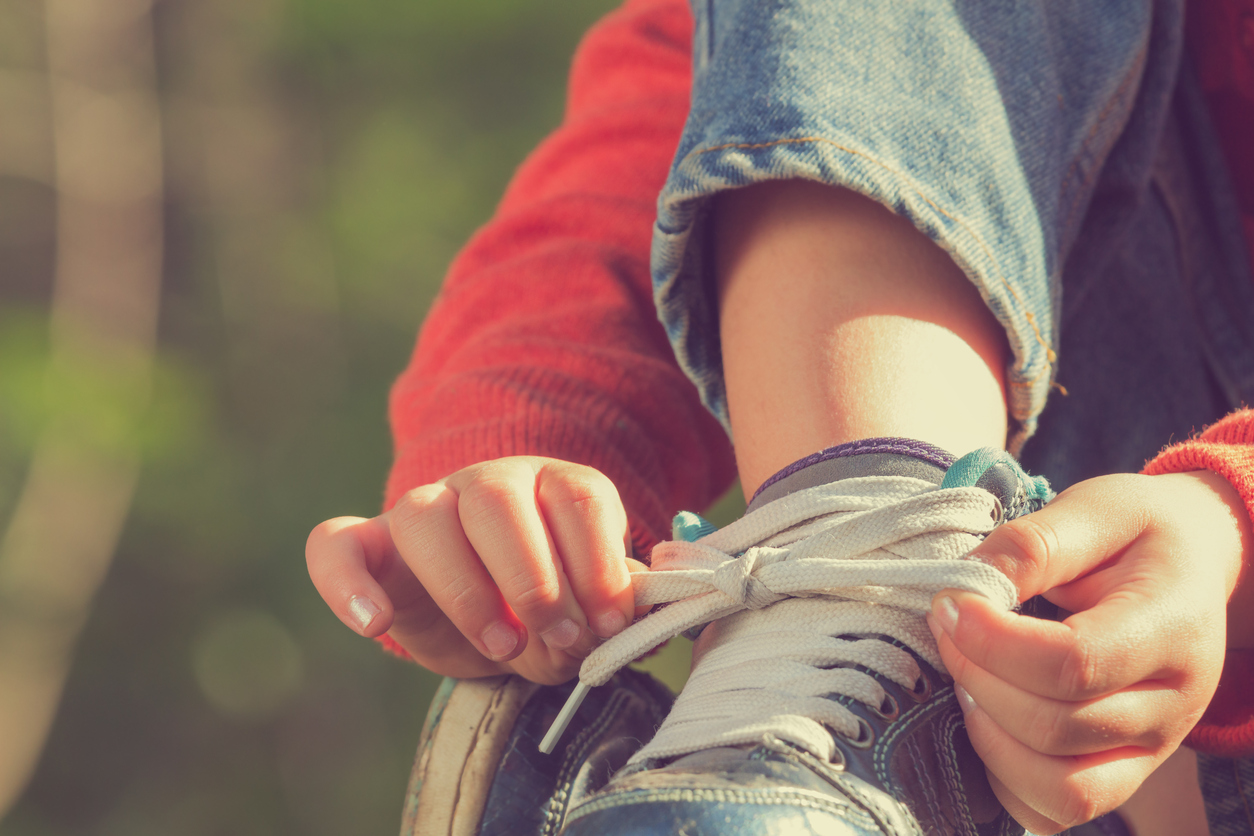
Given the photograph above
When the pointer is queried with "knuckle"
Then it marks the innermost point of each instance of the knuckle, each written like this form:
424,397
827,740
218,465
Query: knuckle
417,501
582,488
530,595
1080,674
1154,738
319,538
1051,731
416,508
326,539
462,603
1035,543
486,499
1079,803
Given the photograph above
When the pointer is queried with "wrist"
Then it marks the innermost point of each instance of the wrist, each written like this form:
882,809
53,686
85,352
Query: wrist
1231,524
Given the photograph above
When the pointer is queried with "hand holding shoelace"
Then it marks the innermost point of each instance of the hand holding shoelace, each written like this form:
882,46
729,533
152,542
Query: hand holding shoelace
1070,717
862,555
512,565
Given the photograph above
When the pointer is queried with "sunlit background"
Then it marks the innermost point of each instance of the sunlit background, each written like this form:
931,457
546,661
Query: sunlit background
221,222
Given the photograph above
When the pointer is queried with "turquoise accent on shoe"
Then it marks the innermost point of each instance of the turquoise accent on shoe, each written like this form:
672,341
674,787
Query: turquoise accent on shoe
966,472
691,527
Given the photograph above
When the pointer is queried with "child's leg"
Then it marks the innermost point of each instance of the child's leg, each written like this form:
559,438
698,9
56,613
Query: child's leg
839,320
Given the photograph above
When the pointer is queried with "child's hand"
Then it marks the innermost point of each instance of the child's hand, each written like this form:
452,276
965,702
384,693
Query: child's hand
1070,717
513,565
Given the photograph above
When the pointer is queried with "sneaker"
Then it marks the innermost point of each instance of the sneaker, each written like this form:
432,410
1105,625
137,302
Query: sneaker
817,701
479,772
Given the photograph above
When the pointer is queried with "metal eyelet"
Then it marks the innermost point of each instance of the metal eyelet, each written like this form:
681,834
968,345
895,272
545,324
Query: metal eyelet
891,713
999,513
922,691
866,736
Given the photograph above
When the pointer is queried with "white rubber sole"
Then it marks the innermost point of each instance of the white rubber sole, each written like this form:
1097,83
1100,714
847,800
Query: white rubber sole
457,759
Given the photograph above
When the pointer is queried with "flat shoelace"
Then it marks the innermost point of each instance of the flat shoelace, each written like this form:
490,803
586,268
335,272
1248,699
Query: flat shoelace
783,585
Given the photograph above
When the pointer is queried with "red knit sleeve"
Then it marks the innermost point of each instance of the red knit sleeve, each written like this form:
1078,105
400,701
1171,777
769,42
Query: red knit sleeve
1226,448
544,339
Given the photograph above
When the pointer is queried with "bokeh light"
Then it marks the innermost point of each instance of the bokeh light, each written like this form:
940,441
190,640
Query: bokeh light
316,164
247,664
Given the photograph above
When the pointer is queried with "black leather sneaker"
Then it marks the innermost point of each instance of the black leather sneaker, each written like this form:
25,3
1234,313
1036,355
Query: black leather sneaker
479,771
817,701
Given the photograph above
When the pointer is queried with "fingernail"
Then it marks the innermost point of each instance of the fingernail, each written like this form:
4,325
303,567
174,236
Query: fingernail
363,610
500,639
609,623
946,612
565,634
965,701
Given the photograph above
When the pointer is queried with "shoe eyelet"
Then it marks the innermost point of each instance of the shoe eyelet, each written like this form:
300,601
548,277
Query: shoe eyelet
922,691
891,713
999,512
865,738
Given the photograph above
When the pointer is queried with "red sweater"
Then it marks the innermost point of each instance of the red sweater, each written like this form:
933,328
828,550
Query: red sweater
544,339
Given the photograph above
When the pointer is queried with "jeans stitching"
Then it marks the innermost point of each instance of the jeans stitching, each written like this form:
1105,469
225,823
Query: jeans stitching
1115,99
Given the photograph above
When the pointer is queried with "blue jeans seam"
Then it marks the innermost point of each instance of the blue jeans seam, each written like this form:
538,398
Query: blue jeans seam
1094,171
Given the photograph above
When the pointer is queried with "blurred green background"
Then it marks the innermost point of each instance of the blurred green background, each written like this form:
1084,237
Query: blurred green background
323,160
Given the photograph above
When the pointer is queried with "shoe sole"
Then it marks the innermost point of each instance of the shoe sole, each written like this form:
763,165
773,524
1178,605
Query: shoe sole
454,769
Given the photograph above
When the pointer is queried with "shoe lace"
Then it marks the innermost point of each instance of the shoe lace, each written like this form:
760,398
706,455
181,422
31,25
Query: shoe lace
810,596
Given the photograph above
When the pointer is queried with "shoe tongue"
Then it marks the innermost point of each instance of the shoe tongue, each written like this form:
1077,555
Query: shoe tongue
867,457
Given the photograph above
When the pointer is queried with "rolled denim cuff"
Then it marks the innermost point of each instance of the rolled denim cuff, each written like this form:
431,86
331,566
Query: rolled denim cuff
959,116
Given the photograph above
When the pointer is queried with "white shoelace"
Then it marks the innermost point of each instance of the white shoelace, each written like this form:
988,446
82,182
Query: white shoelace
861,556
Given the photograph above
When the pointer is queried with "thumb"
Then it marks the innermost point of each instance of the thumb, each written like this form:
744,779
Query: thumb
1080,529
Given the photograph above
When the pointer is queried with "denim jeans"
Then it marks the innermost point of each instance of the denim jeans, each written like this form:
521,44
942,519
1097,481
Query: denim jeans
1058,150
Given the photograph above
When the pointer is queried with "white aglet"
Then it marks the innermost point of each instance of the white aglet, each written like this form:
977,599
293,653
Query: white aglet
563,717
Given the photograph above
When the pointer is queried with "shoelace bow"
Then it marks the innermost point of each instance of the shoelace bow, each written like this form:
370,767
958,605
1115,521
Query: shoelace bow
862,557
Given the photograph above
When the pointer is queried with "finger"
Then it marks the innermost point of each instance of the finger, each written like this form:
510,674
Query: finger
1075,533
1047,794
1131,717
1031,821
500,515
1092,653
586,520
339,554
428,534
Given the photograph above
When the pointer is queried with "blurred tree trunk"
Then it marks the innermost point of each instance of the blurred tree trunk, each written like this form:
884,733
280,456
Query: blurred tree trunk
107,172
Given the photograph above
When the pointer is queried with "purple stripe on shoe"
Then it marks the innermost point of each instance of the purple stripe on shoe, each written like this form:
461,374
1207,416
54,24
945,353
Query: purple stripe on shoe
900,446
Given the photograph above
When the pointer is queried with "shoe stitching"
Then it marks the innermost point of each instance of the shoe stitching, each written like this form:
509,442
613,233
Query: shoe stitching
898,728
776,797
926,787
945,732
872,805
576,752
